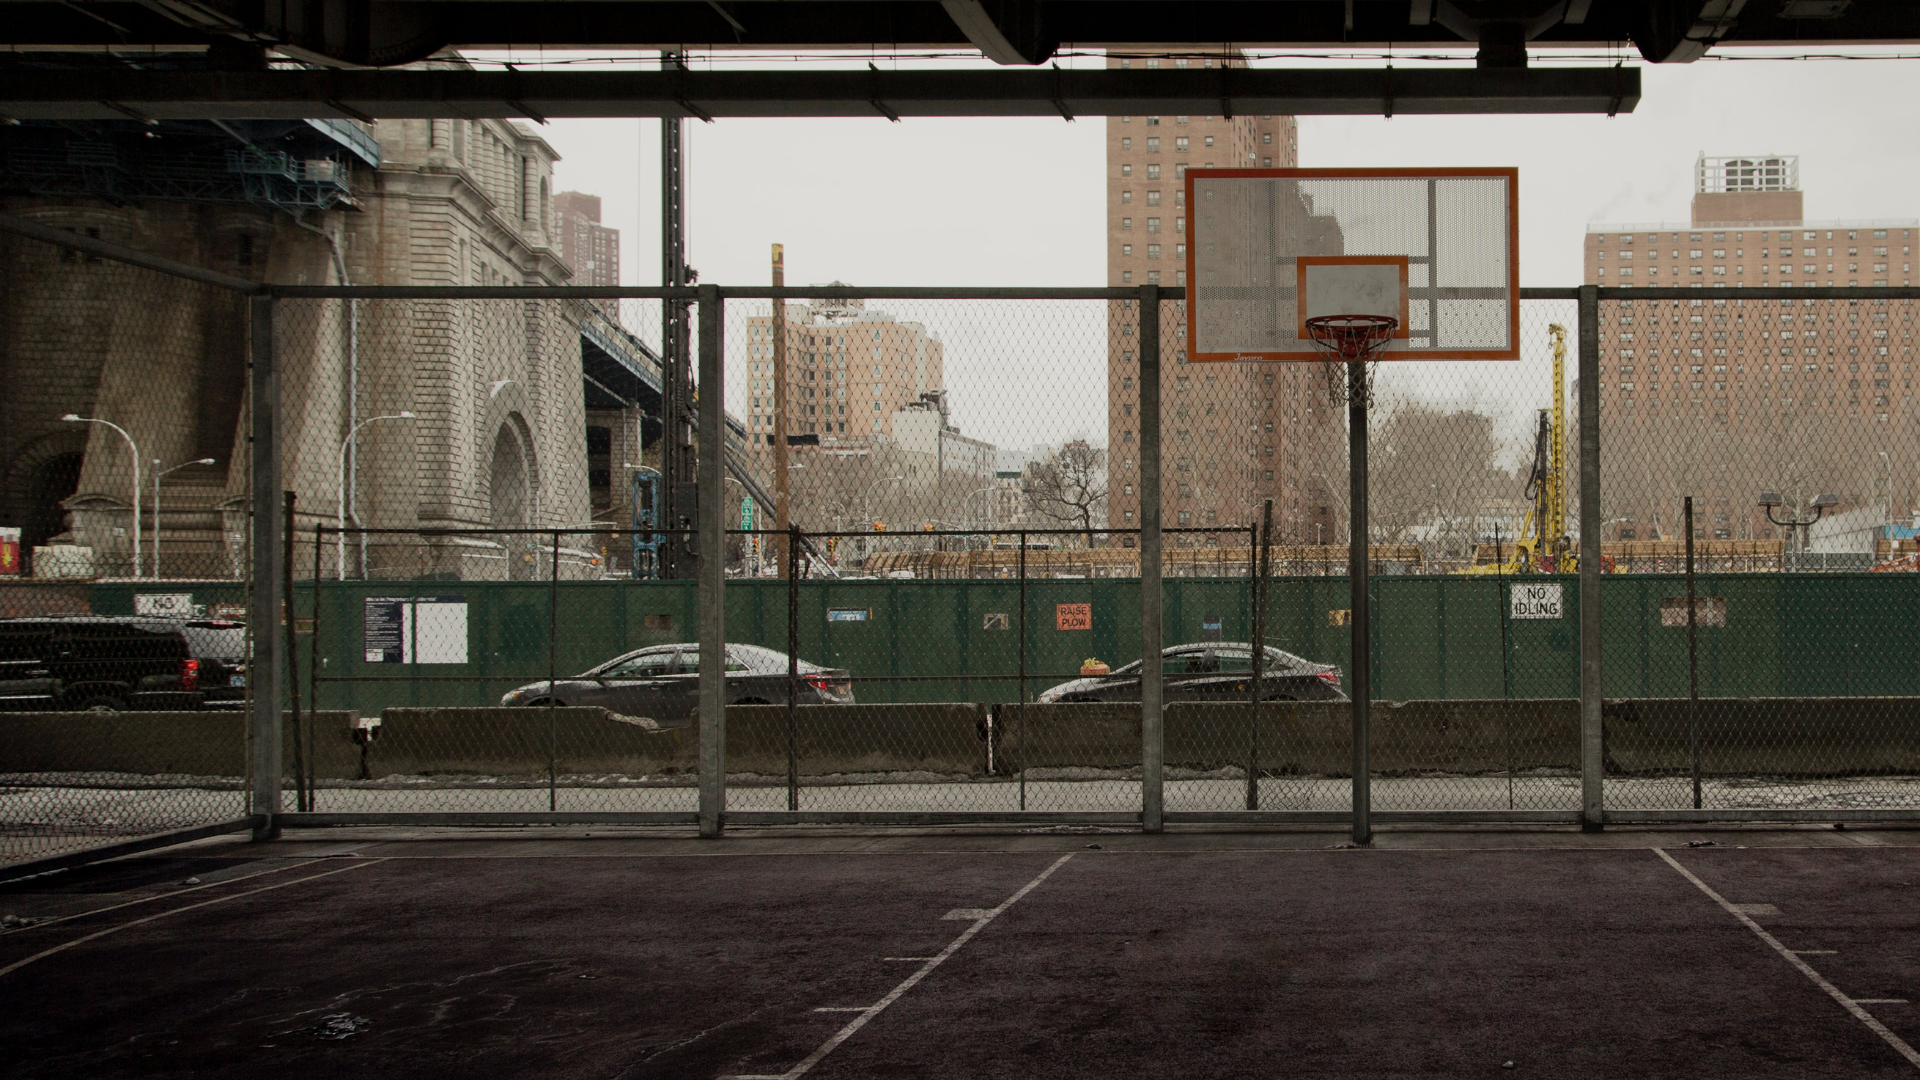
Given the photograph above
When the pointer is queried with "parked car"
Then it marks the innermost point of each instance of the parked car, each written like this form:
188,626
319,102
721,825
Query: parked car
100,664
221,647
1211,671
663,683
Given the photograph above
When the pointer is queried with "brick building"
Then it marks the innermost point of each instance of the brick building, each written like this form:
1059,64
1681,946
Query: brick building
1722,396
1231,434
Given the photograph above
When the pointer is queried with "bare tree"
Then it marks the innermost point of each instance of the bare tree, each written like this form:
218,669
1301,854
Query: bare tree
1069,486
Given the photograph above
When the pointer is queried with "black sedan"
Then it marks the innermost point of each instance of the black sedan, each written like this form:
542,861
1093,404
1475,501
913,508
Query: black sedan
1211,671
662,683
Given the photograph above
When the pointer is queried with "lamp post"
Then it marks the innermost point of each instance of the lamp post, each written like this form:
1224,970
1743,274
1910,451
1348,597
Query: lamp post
340,536
75,418
1770,500
158,472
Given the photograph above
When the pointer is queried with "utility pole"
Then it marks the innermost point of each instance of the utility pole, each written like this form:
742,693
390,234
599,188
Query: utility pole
677,451
782,503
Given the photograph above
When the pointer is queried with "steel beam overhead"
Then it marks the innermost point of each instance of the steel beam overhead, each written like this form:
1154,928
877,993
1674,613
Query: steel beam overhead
401,94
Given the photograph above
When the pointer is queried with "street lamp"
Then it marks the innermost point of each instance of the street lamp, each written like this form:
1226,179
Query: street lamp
75,418
157,474
1771,500
866,497
340,536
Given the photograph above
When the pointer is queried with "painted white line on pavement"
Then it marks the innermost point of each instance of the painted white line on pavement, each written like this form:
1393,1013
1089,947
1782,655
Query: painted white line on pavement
914,959
986,915
1816,952
1847,1003
64,946
841,1008
1881,1001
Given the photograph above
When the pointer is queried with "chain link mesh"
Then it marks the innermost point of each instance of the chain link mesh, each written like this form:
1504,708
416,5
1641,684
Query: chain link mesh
495,608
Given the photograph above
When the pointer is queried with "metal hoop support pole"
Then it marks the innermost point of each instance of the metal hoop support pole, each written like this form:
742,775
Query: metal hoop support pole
1357,621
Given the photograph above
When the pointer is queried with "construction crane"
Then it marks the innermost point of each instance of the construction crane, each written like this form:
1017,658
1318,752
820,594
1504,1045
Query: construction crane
1543,546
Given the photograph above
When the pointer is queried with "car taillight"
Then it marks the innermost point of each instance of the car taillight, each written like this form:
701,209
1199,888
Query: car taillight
818,682
189,674
1329,676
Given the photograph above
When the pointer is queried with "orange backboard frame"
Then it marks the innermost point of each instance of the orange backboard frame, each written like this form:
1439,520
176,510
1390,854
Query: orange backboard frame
1510,174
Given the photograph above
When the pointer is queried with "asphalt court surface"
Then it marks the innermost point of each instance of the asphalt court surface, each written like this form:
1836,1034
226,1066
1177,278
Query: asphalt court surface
978,955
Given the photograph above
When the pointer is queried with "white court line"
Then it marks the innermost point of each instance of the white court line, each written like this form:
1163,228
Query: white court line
44,953
1881,1001
915,959
1852,1005
987,915
44,923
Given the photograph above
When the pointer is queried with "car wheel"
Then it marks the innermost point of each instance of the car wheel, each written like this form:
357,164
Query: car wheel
101,703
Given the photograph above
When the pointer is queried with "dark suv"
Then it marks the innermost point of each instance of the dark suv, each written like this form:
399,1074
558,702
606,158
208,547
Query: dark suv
99,663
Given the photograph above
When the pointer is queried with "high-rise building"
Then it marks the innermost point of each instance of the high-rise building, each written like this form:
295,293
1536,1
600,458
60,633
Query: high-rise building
1722,396
1231,434
849,370
590,248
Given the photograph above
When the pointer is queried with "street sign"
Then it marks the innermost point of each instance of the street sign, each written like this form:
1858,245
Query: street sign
1534,601
746,513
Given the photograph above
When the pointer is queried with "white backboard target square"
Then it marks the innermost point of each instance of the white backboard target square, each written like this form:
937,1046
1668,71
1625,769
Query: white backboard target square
1435,249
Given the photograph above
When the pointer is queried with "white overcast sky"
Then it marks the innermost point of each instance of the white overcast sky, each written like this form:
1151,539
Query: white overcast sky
1021,201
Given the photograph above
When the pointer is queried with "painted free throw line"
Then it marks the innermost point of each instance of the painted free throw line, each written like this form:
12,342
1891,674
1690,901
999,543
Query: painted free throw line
986,915
1850,1004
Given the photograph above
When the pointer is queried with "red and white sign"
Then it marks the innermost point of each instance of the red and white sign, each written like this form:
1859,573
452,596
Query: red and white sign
1073,616
9,552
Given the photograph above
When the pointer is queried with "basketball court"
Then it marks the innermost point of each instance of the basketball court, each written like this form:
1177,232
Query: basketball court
1051,952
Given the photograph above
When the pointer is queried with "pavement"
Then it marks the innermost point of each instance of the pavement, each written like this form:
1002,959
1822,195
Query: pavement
1054,951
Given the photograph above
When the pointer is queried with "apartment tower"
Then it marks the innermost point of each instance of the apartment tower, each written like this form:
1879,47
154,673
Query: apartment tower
1231,434
1719,396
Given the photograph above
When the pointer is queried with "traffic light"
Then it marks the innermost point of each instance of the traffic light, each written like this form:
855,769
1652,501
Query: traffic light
928,527
879,526
832,543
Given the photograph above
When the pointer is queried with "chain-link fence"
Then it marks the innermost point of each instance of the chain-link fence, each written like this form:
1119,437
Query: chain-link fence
124,583
935,506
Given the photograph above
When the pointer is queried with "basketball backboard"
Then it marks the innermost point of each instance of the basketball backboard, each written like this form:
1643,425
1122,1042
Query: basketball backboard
1438,250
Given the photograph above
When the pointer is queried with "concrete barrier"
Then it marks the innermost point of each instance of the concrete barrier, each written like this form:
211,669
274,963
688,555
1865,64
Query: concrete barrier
212,743
575,741
948,739
1787,737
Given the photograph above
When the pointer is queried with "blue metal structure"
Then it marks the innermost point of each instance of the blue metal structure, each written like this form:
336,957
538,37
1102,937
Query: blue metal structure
647,503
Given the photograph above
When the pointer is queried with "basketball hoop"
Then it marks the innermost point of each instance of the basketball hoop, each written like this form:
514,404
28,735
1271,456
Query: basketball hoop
1346,340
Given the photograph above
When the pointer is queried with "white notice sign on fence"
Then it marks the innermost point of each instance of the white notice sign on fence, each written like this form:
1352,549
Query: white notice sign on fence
1534,601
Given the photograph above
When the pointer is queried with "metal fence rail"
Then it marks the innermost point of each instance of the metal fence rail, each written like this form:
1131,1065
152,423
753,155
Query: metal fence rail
458,493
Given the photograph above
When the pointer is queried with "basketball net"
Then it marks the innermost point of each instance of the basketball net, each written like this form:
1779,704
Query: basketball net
1346,340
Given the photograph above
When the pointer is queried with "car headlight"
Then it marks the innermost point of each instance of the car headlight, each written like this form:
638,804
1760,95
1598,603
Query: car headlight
1048,697
512,696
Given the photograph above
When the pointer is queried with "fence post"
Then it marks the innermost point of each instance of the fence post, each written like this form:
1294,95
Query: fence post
1592,739
791,541
710,521
267,668
302,797
1152,715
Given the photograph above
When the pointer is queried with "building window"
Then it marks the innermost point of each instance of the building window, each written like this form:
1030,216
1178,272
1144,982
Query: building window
1153,198
1126,196
1208,141
1126,170
1153,224
1126,144
1179,277
1153,172
1126,223
1126,277
1126,249
1153,277
1266,136
1153,251
1180,145
1153,145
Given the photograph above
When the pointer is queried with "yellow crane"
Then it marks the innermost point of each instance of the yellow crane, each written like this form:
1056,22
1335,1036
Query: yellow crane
1543,546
